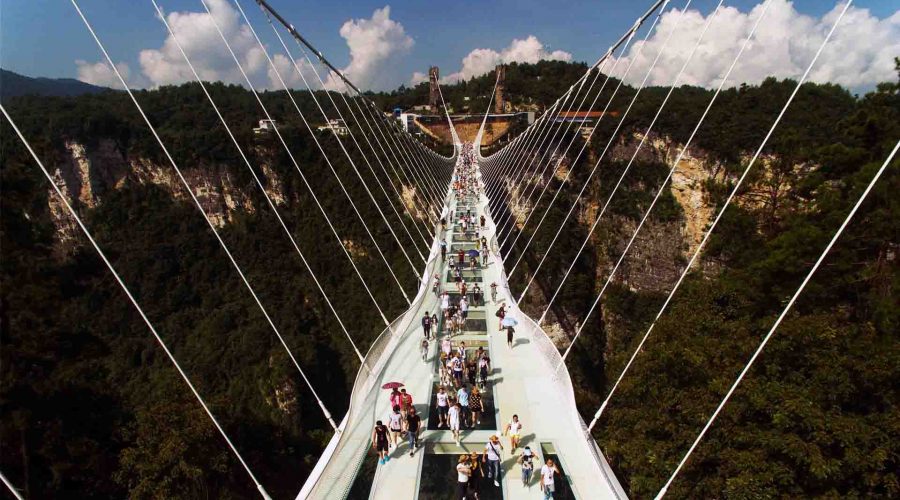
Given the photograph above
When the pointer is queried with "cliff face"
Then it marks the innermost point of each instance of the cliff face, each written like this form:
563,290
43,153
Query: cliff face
86,175
663,246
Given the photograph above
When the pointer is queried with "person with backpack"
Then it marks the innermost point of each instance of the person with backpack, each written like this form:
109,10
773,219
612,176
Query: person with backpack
491,458
484,370
380,442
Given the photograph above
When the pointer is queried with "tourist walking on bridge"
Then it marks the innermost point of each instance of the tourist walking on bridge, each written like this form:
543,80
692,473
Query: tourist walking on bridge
406,402
426,325
413,429
514,431
477,474
476,406
462,397
454,419
443,405
463,471
484,368
494,293
395,424
423,349
548,477
491,457
380,442
526,460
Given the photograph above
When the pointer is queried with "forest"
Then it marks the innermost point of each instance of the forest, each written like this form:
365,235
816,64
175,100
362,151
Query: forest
93,409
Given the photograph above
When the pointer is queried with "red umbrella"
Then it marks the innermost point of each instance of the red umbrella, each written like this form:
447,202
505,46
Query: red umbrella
392,385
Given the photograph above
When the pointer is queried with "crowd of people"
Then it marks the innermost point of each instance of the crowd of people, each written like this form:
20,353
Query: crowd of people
463,373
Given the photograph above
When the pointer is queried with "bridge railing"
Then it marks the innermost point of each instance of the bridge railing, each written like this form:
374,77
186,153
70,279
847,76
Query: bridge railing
550,355
340,463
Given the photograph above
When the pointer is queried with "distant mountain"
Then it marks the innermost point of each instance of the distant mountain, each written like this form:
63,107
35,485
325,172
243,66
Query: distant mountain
13,85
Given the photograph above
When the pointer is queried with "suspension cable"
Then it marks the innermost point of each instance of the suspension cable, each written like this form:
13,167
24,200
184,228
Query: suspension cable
296,165
359,123
687,268
529,164
781,316
538,153
418,192
553,147
316,139
618,127
625,171
134,302
337,138
200,207
12,489
724,206
290,236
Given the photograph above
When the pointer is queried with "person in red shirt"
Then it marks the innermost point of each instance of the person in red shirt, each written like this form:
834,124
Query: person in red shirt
394,398
406,402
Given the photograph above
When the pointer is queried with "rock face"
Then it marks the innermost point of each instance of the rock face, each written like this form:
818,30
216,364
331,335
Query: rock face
87,174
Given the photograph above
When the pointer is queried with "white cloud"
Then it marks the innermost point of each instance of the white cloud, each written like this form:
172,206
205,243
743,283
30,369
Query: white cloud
417,78
197,34
482,61
100,73
375,44
292,79
859,54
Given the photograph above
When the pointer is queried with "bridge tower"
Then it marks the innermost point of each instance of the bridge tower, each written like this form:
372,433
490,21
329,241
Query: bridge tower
500,96
434,96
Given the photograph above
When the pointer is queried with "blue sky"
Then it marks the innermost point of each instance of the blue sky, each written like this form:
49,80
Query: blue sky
45,37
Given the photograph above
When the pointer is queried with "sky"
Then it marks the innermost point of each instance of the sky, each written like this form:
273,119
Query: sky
383,44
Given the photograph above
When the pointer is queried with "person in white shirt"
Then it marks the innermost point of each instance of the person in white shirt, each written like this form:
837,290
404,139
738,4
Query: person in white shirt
491,457
514,431
454,418
446,345
548,472
395,425
463,471
443,406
